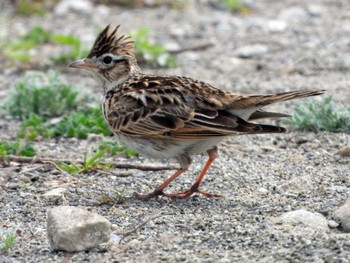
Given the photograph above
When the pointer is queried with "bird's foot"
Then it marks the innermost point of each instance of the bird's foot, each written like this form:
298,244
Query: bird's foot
189,192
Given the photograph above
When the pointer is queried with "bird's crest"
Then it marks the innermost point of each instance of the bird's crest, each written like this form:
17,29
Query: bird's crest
109,41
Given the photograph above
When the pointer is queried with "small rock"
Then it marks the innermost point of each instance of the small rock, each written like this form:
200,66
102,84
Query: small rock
304,217
102,10
294,14
251,51
12,186
82,6
333,224
74,229
297,185
56,192
263,190
342,215
115,238
95,138
316,10
277,26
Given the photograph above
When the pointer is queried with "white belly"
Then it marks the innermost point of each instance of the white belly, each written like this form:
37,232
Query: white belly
155,148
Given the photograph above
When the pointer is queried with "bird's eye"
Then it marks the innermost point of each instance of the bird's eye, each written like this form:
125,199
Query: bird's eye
107,59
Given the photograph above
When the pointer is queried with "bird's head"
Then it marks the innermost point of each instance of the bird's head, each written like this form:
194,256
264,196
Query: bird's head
111,59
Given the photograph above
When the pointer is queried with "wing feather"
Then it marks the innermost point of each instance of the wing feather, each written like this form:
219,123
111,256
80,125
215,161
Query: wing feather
181,108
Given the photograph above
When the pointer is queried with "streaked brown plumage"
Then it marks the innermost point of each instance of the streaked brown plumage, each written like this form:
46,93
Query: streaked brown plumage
172,116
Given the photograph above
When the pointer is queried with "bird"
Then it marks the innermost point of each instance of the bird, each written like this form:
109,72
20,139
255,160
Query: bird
172,117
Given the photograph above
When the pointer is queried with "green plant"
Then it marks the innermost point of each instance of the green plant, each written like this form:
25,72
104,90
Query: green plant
35,126
19,50
78,124
43,95
114,148
24,7
7,240
76,48
149,52
83,122
236,6
320,116
16,148
91,163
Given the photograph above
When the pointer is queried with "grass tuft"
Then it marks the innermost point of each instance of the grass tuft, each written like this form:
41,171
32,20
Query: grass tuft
42,94
77,124
28,8
237,6
114,148
147,52
92,163
16,148
320,116
19,50
7,240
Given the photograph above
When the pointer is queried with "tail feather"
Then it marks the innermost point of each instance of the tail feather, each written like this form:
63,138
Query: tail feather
260,114
248,107
290,95
264,128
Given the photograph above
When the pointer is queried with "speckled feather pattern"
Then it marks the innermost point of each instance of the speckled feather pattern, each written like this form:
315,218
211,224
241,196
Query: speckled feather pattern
172,116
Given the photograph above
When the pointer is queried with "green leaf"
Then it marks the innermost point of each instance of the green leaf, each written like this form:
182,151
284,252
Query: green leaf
320,116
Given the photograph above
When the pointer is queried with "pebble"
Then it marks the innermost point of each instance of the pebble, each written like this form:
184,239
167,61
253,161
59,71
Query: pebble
251,51
54,195
333,224
303,217
294,14
81,6
342,215
74,229
56,192
263,190
316,10
277,26
297,185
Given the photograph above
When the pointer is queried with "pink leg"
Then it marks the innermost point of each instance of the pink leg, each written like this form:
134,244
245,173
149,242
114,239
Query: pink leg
159,190
194,188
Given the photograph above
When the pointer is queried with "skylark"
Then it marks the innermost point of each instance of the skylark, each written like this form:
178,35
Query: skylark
172,116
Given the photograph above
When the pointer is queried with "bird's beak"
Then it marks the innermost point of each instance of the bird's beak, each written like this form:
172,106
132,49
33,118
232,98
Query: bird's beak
84,63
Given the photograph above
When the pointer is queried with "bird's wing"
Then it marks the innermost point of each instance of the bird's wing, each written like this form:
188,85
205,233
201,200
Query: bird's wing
176,108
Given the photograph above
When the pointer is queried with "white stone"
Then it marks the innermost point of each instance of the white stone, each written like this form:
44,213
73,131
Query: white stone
103,10
333,224
74,229
66,6
251,51
277,26
303,217
316,10
342,215
294,14
263,190
297,185
56,192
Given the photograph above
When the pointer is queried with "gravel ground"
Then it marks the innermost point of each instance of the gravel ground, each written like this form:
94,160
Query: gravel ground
291,44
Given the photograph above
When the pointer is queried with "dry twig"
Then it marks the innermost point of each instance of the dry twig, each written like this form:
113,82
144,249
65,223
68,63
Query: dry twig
143,167
143,223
